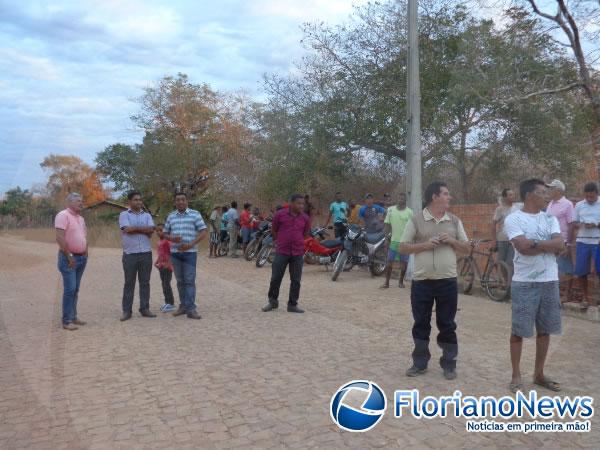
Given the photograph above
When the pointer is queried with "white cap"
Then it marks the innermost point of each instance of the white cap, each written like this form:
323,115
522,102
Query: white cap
557,184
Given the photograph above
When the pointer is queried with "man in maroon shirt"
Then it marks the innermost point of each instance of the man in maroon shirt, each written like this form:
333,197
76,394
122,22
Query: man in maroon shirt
290,226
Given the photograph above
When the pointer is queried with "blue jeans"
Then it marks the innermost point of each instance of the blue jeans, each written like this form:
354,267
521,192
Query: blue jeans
71,282
184,266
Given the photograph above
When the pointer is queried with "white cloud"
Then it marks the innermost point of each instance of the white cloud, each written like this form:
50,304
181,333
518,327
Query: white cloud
22,64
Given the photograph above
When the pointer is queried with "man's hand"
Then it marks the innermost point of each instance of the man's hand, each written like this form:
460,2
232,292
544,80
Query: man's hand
432,243
176,239
445,238
184,247
590,225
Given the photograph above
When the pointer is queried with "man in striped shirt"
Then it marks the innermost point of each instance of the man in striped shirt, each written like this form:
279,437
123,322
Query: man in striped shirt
185,227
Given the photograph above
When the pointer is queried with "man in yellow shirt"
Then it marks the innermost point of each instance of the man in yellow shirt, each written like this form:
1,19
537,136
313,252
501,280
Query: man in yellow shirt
395,221
354,210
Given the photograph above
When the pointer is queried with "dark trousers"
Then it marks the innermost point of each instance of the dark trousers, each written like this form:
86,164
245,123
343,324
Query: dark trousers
165,279
137,265
278,271
444,293
339,229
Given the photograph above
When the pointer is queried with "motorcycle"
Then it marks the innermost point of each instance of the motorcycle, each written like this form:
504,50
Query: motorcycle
362,249
266,253
323,252
256,243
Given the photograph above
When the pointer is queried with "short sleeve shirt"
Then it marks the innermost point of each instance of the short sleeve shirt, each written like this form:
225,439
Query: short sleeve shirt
439,263
540,226
135,243
588,213
564,212
500,216
187,225
370,214
245,220
232,218
338,211
214,218
397,219
290,230
75,230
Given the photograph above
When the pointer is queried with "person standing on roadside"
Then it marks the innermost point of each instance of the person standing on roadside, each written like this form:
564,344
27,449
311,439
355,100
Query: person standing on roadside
395,222
507,205
564,211
309,208
338,210
136,229
233,228
71,237
185,228
534,289
372,215
587,222
215,231
247,225
290,227
434,236
165,269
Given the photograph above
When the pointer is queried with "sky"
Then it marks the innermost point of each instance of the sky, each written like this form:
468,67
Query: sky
70,70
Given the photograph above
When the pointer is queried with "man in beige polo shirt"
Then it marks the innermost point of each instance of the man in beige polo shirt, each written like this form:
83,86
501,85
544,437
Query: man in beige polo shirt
434,236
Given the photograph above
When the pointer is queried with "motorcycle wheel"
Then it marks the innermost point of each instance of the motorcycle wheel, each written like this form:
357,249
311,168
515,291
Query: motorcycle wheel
338,267
251,250
379,264
263,256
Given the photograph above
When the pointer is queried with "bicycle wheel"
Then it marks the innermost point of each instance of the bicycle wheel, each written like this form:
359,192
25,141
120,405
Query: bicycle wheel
497,282
466,274
263,255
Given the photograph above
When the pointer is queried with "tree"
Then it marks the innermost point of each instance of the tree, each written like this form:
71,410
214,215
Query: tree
191,134
350,92
116,163
70,174
17,203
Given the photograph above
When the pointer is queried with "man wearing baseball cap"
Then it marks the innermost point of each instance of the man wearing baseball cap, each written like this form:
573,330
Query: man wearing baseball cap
562,208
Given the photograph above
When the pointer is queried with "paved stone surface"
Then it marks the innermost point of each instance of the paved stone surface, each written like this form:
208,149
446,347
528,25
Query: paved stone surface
240,378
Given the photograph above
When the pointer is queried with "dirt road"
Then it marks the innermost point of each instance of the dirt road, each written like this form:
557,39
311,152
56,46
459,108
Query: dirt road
240,378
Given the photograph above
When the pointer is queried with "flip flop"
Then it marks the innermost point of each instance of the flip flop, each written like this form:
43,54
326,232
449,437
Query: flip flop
548,384
515,387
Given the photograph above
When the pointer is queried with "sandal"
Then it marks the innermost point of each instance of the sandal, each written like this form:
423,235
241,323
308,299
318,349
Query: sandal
548,384
515,387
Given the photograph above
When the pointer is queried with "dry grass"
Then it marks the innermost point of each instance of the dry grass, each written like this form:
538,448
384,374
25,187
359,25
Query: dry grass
103,236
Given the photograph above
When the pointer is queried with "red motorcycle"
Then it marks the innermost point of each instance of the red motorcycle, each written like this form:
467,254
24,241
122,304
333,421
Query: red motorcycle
323,252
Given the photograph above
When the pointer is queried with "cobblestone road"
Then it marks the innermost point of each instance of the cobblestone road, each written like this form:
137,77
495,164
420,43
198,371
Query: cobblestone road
240,378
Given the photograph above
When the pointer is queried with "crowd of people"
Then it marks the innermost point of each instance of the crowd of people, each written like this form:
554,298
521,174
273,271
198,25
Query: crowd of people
540,237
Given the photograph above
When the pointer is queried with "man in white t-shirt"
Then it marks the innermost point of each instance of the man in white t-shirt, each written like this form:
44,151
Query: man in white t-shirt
587,224
535,294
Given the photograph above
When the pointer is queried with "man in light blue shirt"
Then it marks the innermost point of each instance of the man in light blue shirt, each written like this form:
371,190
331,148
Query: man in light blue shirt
338,210
136,229
185,228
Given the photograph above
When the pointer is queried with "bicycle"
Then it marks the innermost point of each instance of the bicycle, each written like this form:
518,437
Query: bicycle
495,278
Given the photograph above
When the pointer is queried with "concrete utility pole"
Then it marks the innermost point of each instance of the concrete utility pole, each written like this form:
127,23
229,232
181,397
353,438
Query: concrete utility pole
413,155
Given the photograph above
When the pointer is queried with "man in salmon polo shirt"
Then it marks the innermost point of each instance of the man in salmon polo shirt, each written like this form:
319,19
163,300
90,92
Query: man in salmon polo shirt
72,256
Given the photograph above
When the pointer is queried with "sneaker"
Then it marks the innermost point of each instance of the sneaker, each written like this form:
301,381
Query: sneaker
167,308
414,371
450,374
